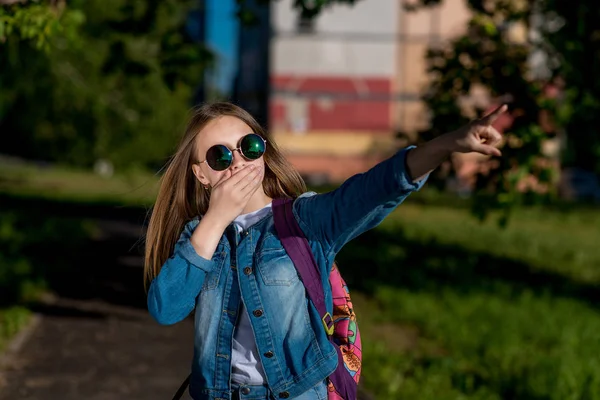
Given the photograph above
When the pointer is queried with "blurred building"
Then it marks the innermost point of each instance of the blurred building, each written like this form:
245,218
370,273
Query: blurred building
335,90
343,84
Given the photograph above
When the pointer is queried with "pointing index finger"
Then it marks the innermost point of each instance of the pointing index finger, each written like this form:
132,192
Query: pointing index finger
493,116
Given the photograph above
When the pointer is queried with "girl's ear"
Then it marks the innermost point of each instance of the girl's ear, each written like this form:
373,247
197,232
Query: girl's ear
200,175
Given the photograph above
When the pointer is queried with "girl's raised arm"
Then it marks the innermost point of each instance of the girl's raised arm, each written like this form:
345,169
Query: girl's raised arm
364,200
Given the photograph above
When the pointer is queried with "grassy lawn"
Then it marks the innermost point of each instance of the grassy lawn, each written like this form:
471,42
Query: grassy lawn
449,308
35,242
483,313
12,319
56,183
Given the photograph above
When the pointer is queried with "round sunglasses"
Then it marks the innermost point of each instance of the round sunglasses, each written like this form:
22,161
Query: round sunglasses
220,157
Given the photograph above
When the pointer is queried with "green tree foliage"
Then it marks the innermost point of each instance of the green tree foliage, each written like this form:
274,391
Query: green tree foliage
487,55
572,35
119,92
115,82
38,21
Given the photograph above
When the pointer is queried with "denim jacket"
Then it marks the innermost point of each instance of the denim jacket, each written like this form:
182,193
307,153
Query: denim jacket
253,267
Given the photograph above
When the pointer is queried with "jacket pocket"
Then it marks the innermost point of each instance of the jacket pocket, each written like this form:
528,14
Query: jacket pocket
275,266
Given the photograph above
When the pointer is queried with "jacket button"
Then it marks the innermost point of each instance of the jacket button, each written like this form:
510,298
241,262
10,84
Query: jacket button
257,313
245,390
247,270
269,354
284,395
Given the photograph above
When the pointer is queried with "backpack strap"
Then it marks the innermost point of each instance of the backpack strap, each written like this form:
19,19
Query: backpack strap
298,249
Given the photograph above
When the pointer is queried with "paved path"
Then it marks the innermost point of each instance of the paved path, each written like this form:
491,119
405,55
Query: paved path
98,342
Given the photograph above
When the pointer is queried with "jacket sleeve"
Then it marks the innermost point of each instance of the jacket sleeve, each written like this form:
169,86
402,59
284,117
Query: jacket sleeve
172,294
359,204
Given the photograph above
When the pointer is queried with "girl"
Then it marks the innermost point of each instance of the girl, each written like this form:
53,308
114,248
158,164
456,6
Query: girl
212,248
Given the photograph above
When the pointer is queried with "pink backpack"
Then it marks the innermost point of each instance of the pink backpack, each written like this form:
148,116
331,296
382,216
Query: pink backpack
341,328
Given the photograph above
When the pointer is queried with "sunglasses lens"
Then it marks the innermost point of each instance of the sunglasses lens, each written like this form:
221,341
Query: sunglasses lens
219,157
252,146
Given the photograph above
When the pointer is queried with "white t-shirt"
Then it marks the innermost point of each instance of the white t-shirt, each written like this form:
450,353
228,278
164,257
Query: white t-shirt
246,367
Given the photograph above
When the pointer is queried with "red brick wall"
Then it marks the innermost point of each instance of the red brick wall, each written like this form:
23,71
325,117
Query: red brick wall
347,113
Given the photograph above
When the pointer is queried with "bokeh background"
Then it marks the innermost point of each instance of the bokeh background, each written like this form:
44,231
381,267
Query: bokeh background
483,285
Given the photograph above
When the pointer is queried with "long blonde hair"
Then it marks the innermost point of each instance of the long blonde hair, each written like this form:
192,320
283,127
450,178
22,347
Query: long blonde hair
181,197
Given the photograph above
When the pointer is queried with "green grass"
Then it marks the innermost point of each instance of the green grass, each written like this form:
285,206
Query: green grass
564,243
43,222
36,246
12,320
64,184
493,314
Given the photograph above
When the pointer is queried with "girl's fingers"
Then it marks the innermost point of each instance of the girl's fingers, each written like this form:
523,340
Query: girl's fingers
251,182
491,136
493,116
240,176
487,150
